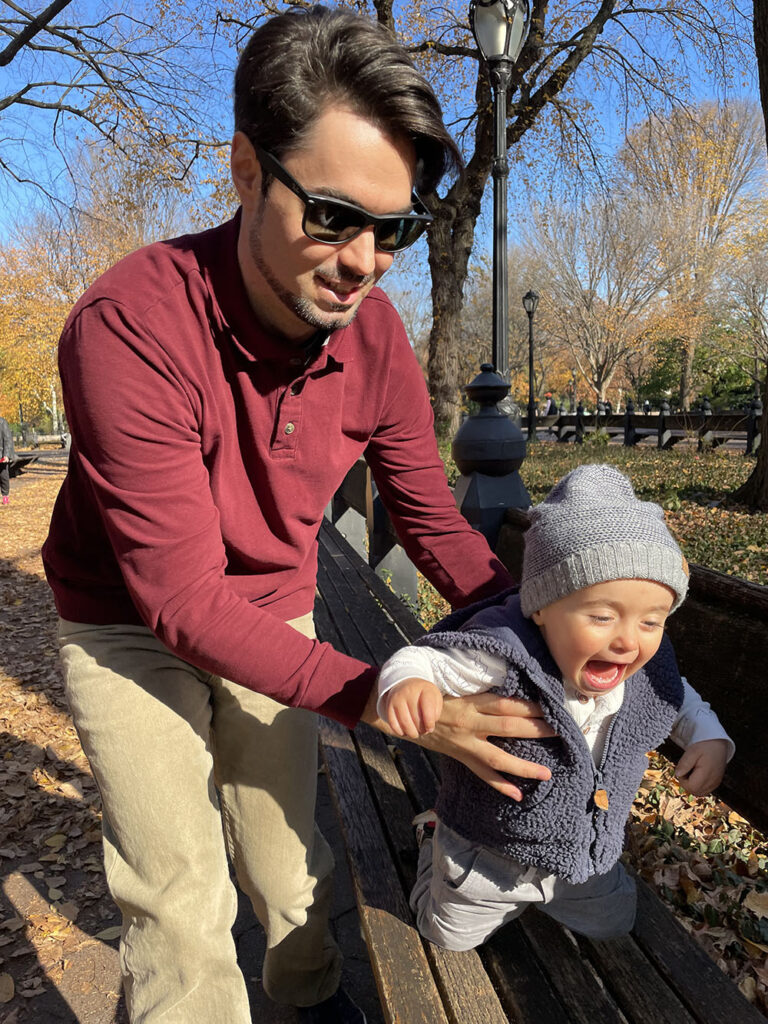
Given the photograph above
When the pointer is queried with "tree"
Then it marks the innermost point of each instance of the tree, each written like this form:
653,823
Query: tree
123,77
604,278
640,52
754,492
697,169
55,257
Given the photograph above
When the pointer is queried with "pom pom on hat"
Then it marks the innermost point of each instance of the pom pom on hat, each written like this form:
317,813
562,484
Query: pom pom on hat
591,528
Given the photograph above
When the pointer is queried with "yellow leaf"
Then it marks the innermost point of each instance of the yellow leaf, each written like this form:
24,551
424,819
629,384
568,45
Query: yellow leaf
56,841
757,902
691,890
757,949
110,933
7,988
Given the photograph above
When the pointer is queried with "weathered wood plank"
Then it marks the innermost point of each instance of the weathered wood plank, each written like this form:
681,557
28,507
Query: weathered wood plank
403,975
639,991
336,545
703,988
464,986
524,988
572,978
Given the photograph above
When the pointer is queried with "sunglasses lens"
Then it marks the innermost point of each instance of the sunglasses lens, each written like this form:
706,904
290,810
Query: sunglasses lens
398,233
326,221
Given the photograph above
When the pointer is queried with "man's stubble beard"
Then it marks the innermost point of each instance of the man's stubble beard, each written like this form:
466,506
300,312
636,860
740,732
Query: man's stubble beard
300,306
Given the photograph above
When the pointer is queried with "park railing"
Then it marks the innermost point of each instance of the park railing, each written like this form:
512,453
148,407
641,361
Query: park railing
707,428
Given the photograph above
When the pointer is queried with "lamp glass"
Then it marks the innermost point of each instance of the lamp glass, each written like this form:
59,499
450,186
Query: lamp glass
500,27
530,302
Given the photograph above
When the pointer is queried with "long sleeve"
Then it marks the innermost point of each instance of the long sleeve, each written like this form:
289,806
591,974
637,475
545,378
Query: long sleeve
456,673
697,721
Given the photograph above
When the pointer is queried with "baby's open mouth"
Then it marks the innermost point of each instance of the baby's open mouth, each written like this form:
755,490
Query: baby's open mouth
602,675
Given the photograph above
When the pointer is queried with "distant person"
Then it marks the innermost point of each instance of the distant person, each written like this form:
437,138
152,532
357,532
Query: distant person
7,455
550,405
585,637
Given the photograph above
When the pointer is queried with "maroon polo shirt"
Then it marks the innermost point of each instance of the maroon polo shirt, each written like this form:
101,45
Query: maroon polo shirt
204,453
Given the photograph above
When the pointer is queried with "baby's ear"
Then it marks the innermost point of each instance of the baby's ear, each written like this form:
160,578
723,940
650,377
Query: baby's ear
537,617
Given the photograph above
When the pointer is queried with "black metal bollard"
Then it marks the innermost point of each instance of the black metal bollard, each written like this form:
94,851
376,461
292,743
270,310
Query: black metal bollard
753,425
664,411
579,424
630,437
489,449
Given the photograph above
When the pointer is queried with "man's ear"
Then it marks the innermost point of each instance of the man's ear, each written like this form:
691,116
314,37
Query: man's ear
246,170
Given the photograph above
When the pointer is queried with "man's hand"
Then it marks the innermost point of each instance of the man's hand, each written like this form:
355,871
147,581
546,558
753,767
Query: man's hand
463,730
702,766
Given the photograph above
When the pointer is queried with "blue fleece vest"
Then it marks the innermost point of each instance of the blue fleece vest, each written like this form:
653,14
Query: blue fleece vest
573,824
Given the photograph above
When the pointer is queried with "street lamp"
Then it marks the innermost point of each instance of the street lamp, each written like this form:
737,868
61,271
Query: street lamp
530,302
500,28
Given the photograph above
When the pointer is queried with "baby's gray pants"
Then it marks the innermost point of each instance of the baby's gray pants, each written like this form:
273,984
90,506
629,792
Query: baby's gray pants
464,892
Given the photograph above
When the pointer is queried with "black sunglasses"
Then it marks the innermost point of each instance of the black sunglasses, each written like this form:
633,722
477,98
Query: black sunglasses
335,221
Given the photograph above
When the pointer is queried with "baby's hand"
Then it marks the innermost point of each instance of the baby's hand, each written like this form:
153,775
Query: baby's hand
702,766
413,707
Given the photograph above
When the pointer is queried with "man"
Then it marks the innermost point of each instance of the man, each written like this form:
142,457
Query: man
218,388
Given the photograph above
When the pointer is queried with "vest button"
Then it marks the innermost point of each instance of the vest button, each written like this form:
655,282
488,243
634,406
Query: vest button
289,428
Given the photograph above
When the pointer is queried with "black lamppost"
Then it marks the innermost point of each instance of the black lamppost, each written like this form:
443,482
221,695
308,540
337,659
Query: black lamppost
500,28
573,391
530,302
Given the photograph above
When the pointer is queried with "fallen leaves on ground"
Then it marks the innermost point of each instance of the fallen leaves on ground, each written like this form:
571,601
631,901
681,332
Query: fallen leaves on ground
710,866
53,890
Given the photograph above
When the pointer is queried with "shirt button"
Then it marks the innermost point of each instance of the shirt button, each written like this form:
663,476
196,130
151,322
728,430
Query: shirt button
585,730
289,428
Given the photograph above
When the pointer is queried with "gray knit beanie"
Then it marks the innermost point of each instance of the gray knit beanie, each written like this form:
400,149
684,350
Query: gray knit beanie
591,528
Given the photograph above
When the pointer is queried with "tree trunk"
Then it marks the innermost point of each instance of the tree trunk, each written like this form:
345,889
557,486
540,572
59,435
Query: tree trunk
451,236
686,373
447,289
754,493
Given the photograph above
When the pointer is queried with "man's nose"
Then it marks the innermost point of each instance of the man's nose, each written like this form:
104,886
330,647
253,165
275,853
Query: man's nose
358,255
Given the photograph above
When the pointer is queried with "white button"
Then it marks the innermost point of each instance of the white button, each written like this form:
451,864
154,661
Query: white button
289,428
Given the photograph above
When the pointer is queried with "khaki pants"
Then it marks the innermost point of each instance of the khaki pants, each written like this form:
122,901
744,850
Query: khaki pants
177,754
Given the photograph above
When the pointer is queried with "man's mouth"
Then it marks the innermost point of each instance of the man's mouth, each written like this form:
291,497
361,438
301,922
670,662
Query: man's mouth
602,675
341,292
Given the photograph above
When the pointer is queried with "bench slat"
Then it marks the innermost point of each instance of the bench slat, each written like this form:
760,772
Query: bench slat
406,986
634,983
700,983
573,979
461,978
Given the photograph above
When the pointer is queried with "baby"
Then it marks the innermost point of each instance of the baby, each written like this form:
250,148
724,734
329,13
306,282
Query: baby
584,637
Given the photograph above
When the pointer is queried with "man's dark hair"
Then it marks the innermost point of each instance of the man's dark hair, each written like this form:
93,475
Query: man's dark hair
298,63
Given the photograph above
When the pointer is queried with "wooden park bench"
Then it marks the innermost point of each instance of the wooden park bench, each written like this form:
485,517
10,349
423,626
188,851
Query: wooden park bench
20,463
532,971
57,440
665,428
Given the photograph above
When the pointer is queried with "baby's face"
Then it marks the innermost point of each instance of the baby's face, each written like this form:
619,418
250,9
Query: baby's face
601,635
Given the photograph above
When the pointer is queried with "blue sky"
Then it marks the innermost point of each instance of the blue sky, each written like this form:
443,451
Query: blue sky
531,174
